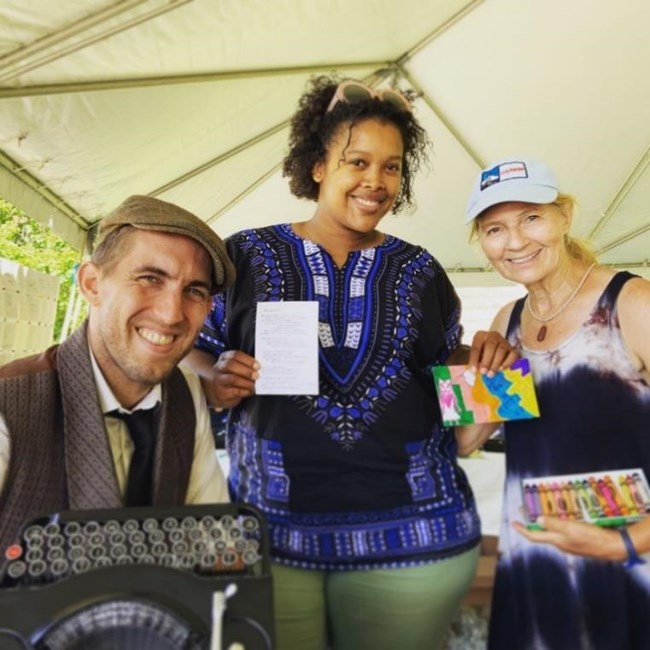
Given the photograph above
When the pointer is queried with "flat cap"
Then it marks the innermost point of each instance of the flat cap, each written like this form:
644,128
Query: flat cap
148,213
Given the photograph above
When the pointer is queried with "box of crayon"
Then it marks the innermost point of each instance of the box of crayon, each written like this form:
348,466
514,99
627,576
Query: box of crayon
612,498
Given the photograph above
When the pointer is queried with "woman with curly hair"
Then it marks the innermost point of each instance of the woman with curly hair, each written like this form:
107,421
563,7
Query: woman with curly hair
373,525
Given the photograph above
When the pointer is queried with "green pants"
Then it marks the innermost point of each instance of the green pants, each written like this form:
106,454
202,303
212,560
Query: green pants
380,609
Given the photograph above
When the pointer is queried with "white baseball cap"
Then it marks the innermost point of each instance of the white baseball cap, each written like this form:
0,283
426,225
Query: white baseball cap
515,179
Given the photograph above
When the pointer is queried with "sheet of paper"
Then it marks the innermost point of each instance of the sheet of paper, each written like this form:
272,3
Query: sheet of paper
286,345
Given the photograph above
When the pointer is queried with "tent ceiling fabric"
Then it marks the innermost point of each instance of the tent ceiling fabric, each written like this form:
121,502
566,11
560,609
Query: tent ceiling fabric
189,100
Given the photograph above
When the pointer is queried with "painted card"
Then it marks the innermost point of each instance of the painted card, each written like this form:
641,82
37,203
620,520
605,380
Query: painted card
468,397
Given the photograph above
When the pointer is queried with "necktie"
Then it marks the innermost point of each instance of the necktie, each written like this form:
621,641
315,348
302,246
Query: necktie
142,429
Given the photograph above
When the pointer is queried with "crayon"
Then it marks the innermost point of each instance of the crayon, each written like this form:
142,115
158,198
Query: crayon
638,499
572,499
603,488
530,503
583,502
627,496
536,498
643,490
540,492
595,510
547,507
604,505
560,504
616,495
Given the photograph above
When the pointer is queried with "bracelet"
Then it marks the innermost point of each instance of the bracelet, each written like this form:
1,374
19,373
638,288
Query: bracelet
632,556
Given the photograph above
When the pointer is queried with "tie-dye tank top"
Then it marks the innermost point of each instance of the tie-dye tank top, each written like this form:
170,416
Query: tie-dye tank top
595,410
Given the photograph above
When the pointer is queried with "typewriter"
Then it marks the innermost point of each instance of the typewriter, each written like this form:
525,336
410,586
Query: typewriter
181,578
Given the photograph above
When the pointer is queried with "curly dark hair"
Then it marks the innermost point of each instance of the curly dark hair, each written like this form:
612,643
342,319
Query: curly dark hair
312,129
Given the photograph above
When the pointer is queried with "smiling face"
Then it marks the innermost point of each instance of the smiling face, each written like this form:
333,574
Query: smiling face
360,176
146,310
524,242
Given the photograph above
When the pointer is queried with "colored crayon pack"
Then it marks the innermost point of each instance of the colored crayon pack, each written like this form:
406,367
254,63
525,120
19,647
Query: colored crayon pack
468,397
612,498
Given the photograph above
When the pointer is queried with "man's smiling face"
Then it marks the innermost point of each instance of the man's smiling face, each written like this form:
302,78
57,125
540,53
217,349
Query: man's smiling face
146,310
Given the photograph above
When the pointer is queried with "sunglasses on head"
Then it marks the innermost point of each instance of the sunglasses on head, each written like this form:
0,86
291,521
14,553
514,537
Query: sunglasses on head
355,91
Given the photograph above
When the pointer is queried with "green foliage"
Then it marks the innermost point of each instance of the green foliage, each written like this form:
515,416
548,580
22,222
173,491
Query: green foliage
35,246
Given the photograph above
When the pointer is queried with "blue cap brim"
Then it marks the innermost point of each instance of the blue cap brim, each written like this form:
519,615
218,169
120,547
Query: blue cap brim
510,191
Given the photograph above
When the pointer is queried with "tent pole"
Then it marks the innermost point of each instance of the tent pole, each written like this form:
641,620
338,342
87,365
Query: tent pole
459,15
34,184
219,159
53,38
471,152
170,80
22,67
244,193
622,240
623,191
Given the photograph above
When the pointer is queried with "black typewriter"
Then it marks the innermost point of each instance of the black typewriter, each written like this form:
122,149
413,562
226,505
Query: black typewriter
181,578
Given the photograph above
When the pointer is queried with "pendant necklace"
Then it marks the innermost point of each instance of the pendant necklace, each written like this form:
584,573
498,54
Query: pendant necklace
541,335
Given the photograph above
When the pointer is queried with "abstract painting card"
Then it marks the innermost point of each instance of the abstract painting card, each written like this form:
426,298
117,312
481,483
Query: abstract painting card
468,397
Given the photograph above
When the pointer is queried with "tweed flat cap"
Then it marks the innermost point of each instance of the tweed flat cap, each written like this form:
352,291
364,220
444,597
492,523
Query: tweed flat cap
148,213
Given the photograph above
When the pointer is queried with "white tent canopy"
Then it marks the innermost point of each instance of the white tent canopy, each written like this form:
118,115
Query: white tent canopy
188,100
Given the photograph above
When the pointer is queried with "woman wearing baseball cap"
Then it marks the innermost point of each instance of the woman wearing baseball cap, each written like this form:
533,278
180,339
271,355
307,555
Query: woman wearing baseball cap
583,327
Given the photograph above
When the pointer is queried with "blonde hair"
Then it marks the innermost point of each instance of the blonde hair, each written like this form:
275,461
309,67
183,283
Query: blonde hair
576,248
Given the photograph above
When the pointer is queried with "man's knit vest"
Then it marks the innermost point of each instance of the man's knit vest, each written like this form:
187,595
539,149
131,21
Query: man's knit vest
60,456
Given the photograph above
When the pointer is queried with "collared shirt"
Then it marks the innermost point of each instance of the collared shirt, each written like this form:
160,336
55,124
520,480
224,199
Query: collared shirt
207,483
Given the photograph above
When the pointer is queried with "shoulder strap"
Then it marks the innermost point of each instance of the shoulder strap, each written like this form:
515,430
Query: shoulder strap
515,317
610,295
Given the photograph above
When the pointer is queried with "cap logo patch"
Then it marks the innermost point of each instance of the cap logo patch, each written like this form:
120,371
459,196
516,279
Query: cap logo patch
503,172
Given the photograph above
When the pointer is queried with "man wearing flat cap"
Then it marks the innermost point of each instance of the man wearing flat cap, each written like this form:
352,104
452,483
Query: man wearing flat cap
108,419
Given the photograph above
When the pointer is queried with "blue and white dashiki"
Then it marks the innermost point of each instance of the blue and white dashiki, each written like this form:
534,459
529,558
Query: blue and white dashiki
361,475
